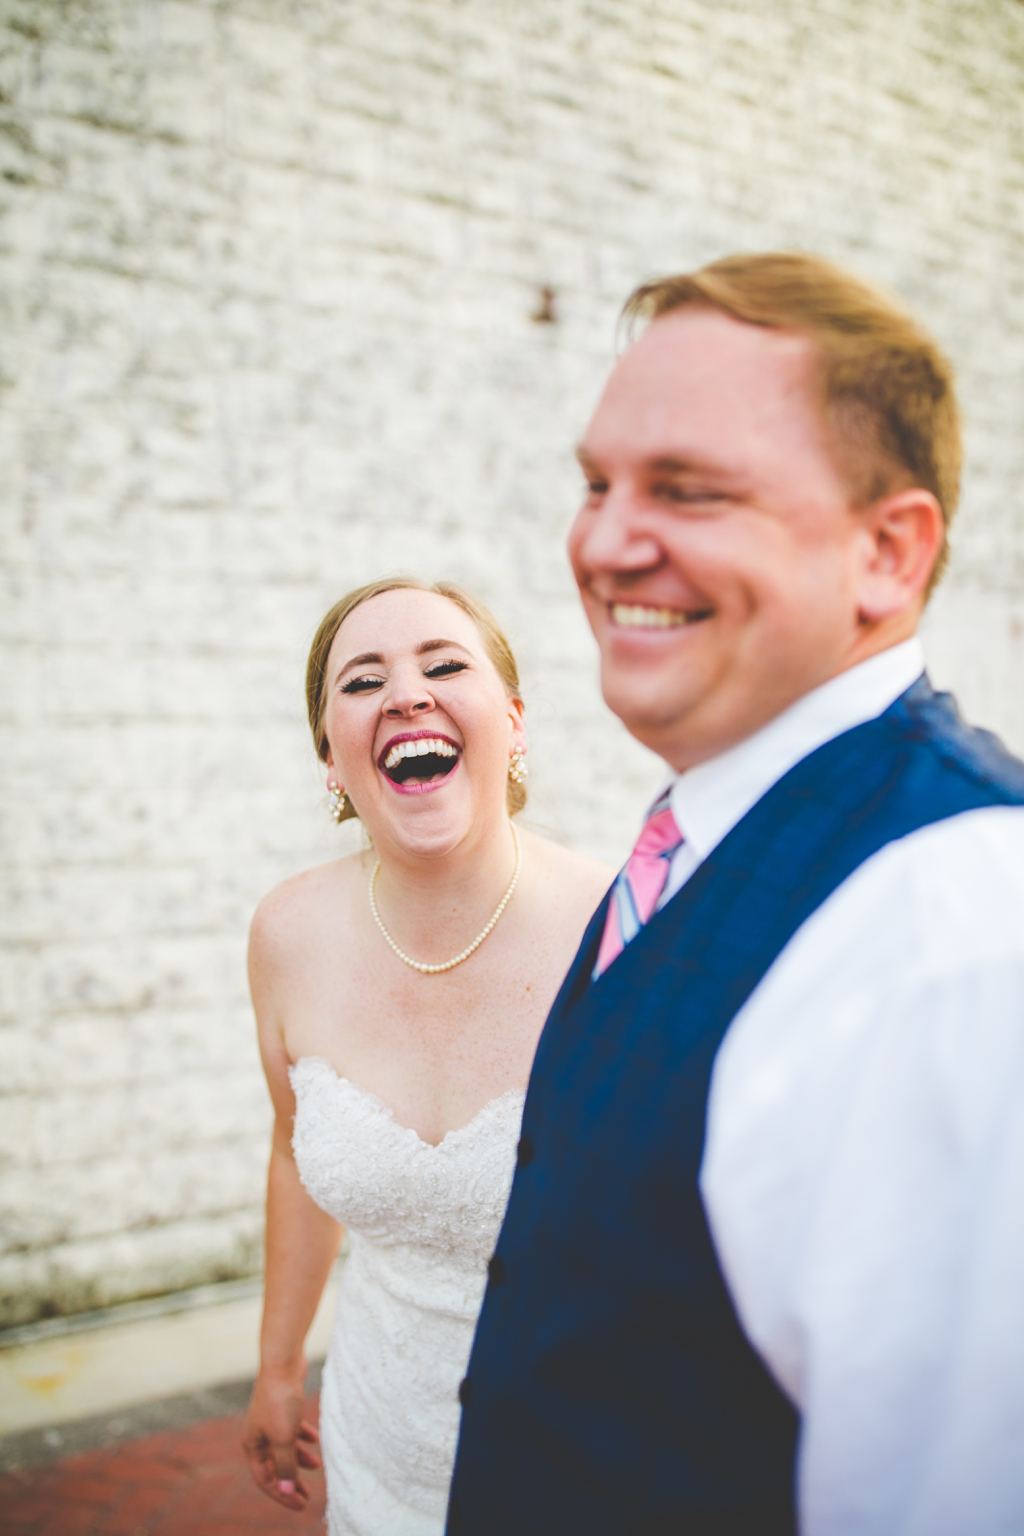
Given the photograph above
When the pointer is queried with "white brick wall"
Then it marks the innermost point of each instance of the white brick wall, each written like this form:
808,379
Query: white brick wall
266,273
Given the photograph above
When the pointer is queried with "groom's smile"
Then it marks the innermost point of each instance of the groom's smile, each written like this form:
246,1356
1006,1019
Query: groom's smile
640,616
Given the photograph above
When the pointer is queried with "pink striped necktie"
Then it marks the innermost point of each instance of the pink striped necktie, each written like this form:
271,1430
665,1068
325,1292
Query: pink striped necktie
638,886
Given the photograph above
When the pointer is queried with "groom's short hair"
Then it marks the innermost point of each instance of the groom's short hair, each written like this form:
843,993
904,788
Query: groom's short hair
887,390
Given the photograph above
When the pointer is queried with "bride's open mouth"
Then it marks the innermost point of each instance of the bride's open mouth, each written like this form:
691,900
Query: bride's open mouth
419,761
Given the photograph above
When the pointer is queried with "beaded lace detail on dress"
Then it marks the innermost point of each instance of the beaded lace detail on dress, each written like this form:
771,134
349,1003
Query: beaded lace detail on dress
423,1222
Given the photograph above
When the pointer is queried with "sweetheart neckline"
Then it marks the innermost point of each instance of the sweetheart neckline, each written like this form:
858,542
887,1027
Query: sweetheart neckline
389,1114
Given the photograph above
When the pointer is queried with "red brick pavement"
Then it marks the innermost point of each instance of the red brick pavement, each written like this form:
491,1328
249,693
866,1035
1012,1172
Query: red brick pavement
181,1482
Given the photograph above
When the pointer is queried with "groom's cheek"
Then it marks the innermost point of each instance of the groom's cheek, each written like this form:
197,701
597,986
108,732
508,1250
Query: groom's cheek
594,608
574,549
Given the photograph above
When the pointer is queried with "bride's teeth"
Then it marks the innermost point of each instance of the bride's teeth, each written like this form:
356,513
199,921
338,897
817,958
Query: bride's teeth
419,748
635,616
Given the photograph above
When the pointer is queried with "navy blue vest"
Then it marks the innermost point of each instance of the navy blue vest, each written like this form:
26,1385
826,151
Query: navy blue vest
611,1390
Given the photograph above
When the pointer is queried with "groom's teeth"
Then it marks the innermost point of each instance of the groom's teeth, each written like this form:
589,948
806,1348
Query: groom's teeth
419,748
634,616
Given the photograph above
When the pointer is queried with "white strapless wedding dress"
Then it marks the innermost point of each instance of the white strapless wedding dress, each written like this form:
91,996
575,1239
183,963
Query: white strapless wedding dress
423,1222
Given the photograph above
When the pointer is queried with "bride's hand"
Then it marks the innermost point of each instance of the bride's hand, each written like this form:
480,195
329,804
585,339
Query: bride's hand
277,1439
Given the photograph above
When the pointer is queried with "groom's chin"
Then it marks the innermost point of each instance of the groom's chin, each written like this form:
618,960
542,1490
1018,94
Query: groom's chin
653,714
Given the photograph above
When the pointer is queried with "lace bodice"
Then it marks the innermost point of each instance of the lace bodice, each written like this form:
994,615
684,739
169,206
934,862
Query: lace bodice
422,1221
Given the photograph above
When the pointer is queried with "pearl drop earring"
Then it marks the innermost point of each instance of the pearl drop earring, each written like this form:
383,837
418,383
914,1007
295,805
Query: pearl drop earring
338,801
517,769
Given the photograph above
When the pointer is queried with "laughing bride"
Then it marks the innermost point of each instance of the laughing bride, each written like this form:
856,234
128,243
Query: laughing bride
399,997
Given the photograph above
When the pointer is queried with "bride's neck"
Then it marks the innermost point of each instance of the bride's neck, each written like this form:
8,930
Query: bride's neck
430,895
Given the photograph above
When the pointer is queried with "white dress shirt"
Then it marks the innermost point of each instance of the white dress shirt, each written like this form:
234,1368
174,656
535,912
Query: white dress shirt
864,1167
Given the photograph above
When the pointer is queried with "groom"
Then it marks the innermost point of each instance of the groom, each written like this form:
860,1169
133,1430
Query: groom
763,1263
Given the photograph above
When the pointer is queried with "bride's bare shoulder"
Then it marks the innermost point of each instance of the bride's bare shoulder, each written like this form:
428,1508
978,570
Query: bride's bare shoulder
290,917
570,876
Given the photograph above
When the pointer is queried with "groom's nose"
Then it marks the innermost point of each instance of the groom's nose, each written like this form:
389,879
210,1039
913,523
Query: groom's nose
611,537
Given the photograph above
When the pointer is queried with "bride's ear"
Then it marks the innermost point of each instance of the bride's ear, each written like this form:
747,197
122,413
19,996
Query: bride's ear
516,716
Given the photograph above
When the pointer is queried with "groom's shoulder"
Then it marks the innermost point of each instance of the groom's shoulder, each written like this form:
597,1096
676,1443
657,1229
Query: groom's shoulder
938,911
950,883
965,863
977,757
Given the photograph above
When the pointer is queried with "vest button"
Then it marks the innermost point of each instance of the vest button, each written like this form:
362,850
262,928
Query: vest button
496,1271
525,1152
465,1391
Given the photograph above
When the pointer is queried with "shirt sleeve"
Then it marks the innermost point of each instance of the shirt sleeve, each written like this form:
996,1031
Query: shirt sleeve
864,1179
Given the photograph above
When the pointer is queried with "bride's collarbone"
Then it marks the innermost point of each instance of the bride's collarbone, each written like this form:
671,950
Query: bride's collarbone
351,995
356,962
439,922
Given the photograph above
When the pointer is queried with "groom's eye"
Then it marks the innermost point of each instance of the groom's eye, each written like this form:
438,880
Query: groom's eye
362,684
689,495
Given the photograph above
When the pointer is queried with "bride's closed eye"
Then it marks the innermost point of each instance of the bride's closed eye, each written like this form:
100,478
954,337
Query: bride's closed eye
362,684
367,684
444,668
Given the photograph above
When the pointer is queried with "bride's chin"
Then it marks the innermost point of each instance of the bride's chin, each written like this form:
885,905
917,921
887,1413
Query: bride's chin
434,843
421,826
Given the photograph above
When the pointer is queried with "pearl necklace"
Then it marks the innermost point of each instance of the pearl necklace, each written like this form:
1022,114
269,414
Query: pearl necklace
447,965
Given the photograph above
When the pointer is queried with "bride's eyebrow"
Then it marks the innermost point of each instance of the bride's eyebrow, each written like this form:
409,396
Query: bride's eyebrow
367,659
375,659
441,645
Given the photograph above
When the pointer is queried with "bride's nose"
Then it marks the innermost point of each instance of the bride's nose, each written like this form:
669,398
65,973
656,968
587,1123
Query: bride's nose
407,694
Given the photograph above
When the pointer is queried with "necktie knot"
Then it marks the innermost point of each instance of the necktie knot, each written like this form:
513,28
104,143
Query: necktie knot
660,835
639,886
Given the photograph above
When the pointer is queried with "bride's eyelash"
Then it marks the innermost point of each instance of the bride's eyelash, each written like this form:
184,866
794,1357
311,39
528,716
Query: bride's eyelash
366,684
445,668
362,684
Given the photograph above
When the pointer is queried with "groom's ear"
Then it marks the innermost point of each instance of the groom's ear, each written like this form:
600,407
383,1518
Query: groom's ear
901,538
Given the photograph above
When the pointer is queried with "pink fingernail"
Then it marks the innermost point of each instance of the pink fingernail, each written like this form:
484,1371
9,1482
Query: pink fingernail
286,1485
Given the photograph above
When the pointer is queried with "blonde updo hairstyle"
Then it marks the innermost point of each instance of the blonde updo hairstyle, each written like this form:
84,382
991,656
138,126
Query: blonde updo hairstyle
495,644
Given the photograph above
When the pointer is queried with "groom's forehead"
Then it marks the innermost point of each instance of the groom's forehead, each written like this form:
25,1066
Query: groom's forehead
699,381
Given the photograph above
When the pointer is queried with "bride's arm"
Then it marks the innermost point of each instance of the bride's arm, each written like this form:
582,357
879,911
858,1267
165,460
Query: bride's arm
301,1245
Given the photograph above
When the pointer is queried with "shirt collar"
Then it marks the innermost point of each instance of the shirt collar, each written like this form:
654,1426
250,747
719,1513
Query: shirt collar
707,801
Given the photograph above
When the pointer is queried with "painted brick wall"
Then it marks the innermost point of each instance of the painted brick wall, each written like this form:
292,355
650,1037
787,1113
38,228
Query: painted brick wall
267,276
